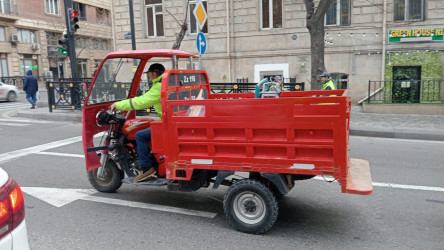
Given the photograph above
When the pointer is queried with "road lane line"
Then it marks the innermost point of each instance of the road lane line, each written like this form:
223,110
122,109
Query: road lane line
23,120
14,124
61,154
5,157
150,206
390,185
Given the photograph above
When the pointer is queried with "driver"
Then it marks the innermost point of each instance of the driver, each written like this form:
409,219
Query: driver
150,98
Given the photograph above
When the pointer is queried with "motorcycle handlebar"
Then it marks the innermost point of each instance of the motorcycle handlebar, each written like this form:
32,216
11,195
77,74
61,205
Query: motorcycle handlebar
109,148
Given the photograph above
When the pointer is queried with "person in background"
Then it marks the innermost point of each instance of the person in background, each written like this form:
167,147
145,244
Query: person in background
31,86
150,98
327,81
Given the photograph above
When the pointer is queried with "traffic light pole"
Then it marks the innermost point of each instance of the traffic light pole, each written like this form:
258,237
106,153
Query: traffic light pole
71,44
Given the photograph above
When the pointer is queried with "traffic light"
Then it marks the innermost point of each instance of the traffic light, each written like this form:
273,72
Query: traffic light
64,43
73,19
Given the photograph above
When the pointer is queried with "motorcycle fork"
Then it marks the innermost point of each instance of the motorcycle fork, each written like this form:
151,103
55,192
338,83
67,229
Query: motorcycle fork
105,154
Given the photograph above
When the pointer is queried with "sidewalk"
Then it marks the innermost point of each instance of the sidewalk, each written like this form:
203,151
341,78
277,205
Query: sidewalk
420,127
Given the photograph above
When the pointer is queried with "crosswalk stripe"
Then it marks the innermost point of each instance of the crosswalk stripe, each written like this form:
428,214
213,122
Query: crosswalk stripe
6,106
23,120
14,124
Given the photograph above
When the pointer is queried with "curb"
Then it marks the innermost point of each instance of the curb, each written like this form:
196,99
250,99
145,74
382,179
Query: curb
398,133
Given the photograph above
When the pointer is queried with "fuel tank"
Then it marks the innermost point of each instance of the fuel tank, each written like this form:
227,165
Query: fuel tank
131,127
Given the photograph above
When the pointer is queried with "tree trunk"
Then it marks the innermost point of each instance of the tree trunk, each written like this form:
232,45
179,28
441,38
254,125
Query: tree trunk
315,26
317,42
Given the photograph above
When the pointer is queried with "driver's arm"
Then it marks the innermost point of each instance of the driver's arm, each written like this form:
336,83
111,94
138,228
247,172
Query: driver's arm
140,102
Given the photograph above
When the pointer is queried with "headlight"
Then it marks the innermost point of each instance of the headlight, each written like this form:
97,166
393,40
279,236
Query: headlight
103,117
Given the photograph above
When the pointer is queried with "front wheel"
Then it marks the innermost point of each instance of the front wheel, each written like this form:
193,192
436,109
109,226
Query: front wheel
250,206
111,178
12,97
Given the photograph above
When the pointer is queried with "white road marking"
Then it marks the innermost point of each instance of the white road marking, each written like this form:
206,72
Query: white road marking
14,124
150,206
23,120
59,197
61,154
390,185
5,157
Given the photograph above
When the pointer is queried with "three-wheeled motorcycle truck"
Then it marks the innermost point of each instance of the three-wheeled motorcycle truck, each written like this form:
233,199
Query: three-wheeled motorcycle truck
272,138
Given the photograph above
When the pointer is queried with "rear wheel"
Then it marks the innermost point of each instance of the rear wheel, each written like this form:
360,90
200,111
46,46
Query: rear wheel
12,97
111,178
250,206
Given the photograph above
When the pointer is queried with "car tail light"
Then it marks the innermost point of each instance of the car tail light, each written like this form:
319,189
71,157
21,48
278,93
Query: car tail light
12,207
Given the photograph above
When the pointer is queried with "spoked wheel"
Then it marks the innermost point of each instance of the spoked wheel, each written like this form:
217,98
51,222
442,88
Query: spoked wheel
12,97
111,178
250,206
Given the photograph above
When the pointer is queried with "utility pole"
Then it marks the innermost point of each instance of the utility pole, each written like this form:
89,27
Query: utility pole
133,32
71,44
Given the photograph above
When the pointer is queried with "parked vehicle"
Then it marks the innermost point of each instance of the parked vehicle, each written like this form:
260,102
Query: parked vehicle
205,138
13,233
8,92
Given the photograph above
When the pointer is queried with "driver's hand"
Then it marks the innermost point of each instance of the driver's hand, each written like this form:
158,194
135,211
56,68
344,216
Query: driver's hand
112,107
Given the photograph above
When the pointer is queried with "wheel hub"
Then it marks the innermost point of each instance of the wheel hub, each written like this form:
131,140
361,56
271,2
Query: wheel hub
250,206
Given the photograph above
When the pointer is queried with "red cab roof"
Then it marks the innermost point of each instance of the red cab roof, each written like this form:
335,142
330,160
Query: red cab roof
150,53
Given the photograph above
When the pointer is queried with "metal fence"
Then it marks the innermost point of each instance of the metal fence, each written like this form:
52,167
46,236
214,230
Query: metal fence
66,94
406,91
224,87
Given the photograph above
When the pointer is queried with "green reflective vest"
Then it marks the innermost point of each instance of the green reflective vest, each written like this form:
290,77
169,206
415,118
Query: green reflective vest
149,99
327,84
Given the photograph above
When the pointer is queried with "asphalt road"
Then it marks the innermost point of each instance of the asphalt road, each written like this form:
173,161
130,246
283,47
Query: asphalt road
405,211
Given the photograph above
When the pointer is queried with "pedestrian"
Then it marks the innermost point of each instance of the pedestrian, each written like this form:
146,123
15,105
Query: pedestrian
150,98
31,86
327,82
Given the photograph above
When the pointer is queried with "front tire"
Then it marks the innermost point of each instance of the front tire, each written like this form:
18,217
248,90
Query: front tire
12,97
112,178
250,206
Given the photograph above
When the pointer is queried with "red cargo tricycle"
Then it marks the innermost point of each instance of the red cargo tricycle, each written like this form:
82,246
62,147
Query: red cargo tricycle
207,138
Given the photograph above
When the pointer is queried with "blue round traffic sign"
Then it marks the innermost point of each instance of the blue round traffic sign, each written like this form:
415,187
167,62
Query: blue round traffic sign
201,43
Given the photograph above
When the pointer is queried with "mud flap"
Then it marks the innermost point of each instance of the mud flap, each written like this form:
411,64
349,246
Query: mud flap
359,179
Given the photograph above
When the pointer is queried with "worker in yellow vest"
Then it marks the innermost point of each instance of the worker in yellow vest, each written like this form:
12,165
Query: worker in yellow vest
328,83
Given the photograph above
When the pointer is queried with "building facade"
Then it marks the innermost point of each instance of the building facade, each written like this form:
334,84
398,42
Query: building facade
30,31
257,38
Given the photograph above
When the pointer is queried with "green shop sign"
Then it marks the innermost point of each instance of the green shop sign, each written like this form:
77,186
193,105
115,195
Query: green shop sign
413,35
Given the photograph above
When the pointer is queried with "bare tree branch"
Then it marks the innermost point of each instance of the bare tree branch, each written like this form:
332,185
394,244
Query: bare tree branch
183,28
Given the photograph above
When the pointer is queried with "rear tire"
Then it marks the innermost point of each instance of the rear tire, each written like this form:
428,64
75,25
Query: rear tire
250,206
111,181
12,97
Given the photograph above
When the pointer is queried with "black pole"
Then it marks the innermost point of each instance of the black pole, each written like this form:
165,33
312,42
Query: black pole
133,32
71,44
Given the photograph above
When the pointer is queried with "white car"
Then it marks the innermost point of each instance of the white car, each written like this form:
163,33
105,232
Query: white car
8,92
13,233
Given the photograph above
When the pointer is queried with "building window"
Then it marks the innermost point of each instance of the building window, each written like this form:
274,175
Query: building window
3,65
271,14
102,16
409,10
81,68
5,6
28,62
2,34
100,44
52,39
194,25
338,13
80,7
154,17
26,36
52,7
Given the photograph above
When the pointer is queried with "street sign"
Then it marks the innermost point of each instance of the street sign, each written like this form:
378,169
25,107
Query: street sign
201,43
200,14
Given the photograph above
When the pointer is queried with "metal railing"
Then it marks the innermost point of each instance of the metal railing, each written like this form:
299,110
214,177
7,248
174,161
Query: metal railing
406,91
66,95
224,87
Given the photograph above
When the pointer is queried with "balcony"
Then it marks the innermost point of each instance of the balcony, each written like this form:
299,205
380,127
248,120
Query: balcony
8,13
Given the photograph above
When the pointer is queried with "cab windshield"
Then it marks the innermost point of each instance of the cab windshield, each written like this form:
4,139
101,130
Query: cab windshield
114,80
